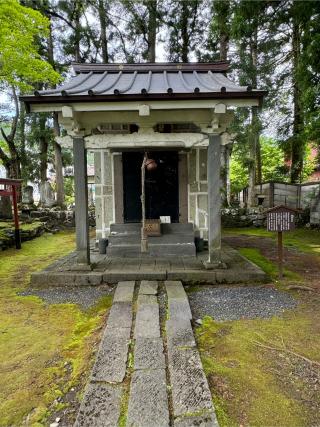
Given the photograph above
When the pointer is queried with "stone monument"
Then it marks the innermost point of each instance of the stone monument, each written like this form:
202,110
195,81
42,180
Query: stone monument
47,197
27,195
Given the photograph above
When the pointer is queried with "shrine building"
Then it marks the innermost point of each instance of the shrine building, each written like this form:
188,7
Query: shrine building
178,114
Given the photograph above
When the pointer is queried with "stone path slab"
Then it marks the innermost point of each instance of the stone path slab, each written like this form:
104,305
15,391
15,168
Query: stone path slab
200,421
146,299
100,406
118,332
147,317
149,287
124,292
111,362
161,362
190,390
178,304
120,310
179,333
175,289
179,309
149,354
148,402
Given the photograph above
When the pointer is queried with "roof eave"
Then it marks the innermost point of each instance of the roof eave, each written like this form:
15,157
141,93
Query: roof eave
31,99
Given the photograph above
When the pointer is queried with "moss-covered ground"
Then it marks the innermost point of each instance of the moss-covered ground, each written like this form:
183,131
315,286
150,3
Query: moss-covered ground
8,226
305,240
45,350
266,372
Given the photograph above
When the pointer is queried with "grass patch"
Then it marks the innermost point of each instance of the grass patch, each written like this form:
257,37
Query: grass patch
304,240
266,265
45,349
244,379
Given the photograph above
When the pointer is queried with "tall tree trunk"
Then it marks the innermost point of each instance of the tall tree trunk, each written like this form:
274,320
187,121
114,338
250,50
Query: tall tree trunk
56,129
223,9
103,30
77,32
223,14
252,161
12,161
152,30
184,32
297,144
58,164
254,138
22,133
43,149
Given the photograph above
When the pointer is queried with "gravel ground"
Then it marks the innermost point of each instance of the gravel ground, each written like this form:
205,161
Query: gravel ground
233,303
85,296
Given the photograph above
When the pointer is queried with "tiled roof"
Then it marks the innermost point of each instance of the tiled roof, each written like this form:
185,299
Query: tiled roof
154,81
110,81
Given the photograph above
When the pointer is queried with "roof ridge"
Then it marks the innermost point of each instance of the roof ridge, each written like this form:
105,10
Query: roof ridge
218,66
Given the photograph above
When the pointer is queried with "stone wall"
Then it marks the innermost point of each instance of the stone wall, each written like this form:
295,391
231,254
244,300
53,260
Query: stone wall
53,218
241,217
298,196
255,217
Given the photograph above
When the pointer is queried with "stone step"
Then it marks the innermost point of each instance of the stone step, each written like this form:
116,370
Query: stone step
128,227
134,239
176,240
135,228
177,228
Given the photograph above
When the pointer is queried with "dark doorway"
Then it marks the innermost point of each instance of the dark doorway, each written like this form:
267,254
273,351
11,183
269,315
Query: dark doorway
162,191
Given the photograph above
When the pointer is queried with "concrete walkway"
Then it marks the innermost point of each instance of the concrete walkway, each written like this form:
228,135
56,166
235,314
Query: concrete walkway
148,371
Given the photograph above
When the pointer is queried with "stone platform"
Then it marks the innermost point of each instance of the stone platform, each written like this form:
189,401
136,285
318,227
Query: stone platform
189,270
148,371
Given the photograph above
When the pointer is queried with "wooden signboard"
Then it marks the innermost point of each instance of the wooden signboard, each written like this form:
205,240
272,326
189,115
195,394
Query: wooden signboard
281,218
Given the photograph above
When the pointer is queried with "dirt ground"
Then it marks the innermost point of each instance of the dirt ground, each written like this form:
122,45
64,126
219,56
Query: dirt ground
306,265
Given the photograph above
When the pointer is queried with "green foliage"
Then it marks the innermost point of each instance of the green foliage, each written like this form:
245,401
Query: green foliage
273,167
69,189
185,29
273,164
21,64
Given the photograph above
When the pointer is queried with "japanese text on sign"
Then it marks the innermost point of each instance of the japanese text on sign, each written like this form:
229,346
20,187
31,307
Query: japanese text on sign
280,221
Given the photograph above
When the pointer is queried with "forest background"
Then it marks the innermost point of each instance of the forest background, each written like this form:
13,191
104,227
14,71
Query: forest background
271,45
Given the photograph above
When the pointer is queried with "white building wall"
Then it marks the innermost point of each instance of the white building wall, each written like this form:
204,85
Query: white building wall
198,190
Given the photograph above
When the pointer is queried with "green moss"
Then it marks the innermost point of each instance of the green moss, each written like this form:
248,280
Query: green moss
303,239
45,349
266,265
242,376
122,422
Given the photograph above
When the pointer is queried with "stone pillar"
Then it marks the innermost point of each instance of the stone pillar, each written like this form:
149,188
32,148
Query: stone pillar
81,200
214,202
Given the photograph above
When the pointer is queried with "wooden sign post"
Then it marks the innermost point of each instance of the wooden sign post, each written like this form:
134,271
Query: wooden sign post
279,219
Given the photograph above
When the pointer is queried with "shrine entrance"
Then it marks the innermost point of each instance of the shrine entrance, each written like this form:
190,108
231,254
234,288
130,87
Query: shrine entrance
161,184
